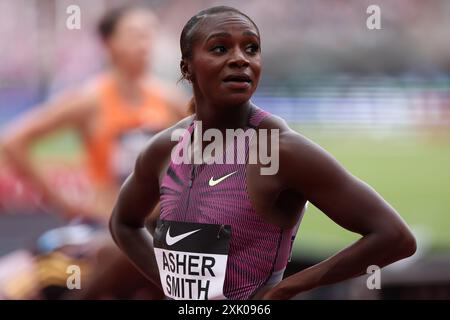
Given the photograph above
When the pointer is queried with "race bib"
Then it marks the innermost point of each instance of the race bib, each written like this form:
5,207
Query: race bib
192,259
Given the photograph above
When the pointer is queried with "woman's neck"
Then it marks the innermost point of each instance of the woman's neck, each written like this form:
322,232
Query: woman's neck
222,117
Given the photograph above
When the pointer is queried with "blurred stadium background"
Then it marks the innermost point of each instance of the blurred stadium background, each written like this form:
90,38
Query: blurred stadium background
378,100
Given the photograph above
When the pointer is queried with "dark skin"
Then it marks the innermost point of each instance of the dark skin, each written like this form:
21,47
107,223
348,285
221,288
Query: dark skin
229,44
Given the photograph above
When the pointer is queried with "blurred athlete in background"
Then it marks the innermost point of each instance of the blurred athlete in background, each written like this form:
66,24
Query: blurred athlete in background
114,113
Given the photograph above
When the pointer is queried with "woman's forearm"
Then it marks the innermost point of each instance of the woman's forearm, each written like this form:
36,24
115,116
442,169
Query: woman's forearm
372,249
136,243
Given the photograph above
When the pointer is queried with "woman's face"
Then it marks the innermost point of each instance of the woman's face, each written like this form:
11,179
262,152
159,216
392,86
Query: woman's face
130,43
226,60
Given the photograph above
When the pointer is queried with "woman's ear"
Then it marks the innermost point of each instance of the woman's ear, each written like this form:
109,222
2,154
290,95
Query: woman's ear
184,66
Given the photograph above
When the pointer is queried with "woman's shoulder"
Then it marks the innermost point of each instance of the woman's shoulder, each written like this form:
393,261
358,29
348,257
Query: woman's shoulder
272,122
156,154
277,125
291,142
161,144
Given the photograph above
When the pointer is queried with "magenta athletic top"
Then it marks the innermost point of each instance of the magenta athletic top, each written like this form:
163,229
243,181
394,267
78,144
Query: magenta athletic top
258,251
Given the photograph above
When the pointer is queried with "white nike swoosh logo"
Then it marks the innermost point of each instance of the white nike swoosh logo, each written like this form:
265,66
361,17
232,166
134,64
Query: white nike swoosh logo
172,240
213,182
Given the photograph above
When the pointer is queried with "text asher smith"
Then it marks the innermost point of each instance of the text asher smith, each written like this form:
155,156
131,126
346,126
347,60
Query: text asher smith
188,265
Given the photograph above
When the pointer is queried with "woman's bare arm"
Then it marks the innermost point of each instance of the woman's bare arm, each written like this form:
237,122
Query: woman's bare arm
352,204
137,198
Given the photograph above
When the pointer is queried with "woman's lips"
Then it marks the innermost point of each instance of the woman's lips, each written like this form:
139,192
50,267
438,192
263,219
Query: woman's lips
237,81
237,84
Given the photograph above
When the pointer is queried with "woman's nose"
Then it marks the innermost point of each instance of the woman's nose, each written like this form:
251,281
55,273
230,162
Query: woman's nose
238,59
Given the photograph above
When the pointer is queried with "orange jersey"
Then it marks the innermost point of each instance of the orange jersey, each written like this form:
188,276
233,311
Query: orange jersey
116,118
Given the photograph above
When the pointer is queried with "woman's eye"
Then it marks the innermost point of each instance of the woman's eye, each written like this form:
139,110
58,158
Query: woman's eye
253,48
218,49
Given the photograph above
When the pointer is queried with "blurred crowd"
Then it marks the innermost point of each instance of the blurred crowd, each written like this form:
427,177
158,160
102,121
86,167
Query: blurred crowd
301,40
